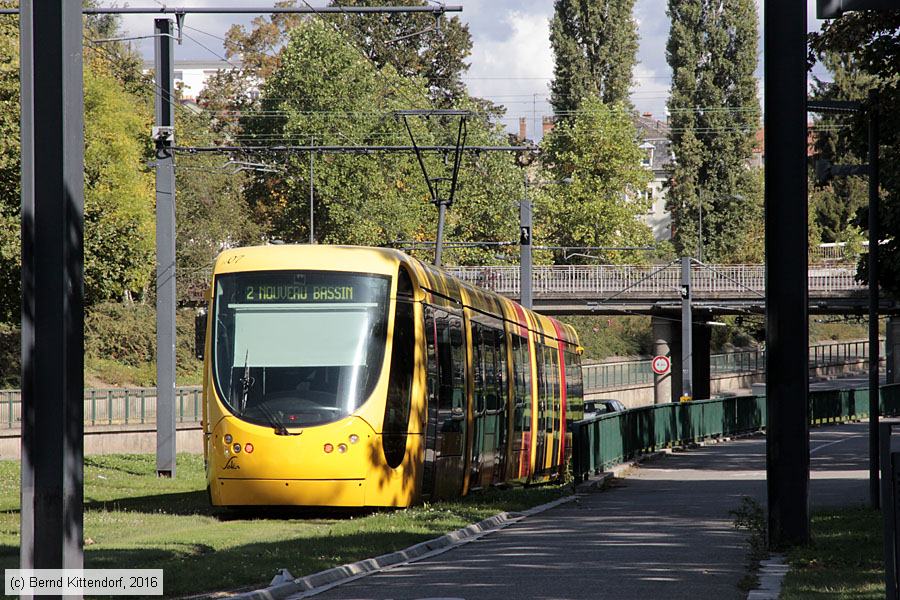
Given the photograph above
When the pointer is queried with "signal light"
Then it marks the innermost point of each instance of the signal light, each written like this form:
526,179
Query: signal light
328,448
342,448
354,438
228,438
248,448
236,448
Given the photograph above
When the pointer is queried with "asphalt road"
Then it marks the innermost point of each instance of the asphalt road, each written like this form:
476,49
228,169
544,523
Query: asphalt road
663,531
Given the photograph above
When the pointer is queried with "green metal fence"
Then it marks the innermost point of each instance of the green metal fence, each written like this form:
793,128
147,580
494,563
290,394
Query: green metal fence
114,406
607,376
614,438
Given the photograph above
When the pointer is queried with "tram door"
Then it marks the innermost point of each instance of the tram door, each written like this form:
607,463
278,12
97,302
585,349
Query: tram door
447,404
489,411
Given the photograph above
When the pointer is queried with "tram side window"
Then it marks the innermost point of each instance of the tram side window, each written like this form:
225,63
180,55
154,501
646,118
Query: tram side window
490,369
458,352
445,372
522,384
478,365
502,375
574,389
399,394
541,384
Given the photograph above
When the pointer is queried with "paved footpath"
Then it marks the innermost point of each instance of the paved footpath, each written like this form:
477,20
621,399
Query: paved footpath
663,531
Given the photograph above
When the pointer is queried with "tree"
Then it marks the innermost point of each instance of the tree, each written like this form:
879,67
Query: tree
118,193
325,92
838,202
714,108
595,48
602,203
211,212
868,43
414,44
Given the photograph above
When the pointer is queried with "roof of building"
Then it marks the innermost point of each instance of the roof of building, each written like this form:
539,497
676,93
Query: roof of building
655,132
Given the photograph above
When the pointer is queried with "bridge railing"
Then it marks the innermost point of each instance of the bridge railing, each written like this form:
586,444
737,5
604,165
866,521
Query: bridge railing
644,280
610,376
610,439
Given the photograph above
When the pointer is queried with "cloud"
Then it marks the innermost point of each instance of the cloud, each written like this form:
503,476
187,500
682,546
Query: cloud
513,64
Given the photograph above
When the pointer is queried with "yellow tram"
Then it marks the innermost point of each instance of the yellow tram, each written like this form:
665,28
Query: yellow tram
349,376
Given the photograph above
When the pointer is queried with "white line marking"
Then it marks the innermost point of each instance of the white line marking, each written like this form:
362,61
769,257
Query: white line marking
817,448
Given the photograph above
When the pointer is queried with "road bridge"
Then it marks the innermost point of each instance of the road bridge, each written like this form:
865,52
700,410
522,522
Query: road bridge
655,290
648,289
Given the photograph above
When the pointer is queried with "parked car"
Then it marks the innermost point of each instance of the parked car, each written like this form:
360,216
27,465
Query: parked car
595,408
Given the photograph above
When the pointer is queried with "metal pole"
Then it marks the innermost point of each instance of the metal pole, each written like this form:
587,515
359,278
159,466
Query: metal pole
700,237
874,495
526,294
165,251
312,222
787,329
687,341
439,243
52,476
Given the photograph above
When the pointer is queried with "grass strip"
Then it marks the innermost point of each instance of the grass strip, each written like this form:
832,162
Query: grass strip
844,560
134,520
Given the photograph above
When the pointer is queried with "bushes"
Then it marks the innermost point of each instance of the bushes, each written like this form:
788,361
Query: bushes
120,344
119,347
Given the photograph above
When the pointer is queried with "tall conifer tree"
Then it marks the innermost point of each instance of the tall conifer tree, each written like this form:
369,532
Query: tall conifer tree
595,47
715,113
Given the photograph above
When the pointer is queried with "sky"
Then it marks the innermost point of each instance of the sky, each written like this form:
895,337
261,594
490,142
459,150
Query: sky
511,61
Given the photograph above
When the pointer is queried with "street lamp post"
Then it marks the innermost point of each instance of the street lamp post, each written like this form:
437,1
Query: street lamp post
700,236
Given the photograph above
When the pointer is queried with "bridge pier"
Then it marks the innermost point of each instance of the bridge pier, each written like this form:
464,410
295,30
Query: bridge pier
662,329
667,342
892,349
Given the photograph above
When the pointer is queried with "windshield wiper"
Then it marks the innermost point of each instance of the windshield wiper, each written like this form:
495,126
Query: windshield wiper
274,421
246,383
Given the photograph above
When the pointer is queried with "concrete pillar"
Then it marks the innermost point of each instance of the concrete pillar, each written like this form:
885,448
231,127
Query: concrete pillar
662,334
892,350
700,355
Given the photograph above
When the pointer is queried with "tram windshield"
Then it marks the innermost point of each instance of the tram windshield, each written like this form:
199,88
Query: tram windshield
298,348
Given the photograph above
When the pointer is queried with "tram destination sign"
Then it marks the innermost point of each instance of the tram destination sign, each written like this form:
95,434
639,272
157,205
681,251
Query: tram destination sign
309,288
279,293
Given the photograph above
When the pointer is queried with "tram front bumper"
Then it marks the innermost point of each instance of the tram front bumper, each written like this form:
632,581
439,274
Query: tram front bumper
288,492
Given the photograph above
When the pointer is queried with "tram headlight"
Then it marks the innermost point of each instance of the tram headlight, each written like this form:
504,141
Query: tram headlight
236,448
354,438
228,438
342,448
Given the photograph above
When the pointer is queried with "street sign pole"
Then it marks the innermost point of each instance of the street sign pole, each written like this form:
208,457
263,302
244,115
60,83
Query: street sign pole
687,341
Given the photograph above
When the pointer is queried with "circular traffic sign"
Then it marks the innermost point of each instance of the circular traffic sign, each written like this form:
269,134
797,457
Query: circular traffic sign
660,364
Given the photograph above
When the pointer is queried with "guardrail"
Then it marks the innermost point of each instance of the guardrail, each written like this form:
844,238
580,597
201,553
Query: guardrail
632,373
649,281
614,438
114,406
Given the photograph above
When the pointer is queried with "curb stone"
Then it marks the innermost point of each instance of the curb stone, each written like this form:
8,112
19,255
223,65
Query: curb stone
323,580
771,577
